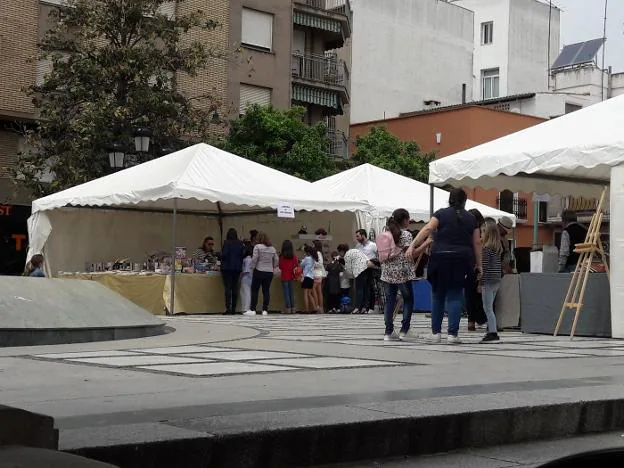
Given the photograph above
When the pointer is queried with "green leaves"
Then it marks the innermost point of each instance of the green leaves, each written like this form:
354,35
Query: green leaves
114,68
281,140
384,150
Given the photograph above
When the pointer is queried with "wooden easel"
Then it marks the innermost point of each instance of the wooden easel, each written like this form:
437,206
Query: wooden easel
587,250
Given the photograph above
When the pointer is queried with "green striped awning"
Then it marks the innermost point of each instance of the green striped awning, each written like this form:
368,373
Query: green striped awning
311,21
320,97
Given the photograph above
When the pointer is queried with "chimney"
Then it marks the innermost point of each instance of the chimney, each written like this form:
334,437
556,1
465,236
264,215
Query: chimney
464,93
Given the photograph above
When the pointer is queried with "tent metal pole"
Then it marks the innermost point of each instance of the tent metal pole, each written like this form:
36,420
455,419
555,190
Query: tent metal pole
535,224
173,256
431,201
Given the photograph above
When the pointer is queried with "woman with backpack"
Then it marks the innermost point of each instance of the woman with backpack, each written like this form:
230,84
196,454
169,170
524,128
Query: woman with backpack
455,253
397,271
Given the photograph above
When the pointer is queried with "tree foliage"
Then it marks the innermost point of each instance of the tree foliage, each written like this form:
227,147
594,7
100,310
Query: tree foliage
281,140
382,149
115,68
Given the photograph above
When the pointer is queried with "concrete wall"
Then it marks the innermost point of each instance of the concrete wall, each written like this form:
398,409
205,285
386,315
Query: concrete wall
490,55
405,52
617,84
545,105
528,45
582,81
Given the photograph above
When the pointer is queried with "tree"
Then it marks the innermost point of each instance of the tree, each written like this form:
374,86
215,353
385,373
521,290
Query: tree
115,67
382,149
281,140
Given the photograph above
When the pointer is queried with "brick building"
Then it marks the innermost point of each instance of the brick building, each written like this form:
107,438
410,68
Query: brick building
450,130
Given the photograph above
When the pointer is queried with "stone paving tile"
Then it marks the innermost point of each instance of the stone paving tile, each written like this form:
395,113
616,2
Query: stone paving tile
180,349
127,361
528,354
86,354
249,355
328,362
217,368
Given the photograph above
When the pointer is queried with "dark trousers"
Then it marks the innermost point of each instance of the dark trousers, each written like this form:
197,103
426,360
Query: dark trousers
474,301
364,294
230,285
261,279
334,301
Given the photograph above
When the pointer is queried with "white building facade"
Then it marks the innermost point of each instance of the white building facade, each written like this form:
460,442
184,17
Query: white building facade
511,45
407,55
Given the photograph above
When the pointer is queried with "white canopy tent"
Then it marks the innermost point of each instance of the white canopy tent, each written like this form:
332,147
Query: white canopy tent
128,214
576,154
386,191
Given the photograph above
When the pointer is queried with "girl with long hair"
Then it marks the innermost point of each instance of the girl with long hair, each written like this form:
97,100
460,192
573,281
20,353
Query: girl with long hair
398,272
319,275
455,253
288,261
491,276
472,296
307,266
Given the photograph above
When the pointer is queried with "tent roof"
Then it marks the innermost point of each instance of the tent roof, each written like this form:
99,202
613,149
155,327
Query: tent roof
569,155
198,177
387,191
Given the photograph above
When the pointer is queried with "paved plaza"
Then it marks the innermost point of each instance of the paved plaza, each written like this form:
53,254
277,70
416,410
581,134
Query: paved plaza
231,374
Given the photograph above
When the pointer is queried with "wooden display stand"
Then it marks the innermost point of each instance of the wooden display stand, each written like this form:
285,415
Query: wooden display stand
587,250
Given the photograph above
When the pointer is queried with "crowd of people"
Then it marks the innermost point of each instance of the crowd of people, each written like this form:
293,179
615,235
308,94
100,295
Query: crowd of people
462,255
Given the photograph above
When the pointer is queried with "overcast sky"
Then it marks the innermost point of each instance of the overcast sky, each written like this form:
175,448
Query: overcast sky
582,20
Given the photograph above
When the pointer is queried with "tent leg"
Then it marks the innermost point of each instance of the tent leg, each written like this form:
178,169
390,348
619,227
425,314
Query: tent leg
220,219
173,257
431,201
535,224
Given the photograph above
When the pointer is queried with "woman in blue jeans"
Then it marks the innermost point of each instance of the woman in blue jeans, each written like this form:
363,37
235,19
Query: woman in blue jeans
456,251
397,273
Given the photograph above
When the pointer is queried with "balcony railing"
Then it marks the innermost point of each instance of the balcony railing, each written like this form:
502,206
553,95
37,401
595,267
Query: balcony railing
517,206
326,69
338,144
342,7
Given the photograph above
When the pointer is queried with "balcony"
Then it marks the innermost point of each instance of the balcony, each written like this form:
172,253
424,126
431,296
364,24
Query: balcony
325,71
517,206
331,16
338,144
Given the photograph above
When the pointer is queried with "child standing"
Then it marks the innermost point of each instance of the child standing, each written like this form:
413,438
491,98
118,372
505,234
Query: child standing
245,284
307,265
491,277
287,264
334,270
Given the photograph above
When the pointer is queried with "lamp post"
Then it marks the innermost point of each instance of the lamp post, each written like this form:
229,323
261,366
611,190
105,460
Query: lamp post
116,156
142,139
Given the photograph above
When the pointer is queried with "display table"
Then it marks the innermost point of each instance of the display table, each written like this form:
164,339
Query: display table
194,293
542,296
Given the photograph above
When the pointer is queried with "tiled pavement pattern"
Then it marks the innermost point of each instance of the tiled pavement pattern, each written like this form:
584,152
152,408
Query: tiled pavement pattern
226,358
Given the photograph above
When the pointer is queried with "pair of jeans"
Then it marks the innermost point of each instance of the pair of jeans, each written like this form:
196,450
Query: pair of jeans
289,294
364,297
408,306
490,290
453,299
261,279
230,285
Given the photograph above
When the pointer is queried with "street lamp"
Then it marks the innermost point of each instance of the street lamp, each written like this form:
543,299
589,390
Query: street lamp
116,156
142,138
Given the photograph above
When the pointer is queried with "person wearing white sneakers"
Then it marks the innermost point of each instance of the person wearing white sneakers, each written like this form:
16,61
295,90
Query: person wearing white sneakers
264,261
456,250
397,272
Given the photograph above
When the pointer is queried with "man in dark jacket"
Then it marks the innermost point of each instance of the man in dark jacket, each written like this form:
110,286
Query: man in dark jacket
573,234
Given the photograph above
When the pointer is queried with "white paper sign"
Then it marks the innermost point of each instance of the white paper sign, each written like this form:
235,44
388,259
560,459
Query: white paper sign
285,210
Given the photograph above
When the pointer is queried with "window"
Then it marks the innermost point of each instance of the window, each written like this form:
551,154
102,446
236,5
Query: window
512,203
257,30
250,95
487,33
543,212
489,83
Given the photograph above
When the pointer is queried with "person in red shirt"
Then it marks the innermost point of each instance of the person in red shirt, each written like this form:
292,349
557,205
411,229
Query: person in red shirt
288,262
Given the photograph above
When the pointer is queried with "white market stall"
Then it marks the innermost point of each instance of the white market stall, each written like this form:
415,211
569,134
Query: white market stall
576,154
386,191
173,201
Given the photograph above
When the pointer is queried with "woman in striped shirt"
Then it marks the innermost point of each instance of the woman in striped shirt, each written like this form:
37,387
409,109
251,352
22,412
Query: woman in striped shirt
491,276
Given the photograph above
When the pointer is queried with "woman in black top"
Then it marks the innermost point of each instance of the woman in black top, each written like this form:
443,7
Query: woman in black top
455,253
231,268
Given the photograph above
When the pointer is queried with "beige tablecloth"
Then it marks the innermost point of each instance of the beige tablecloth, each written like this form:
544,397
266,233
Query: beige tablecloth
194,293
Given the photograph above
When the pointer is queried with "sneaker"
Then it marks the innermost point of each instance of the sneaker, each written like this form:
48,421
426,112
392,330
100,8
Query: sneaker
491,338
433,338
391,337
452,339
355,311
250,312
264,312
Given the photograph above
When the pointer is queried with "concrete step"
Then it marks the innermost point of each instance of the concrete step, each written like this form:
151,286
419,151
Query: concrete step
308,437
27,457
